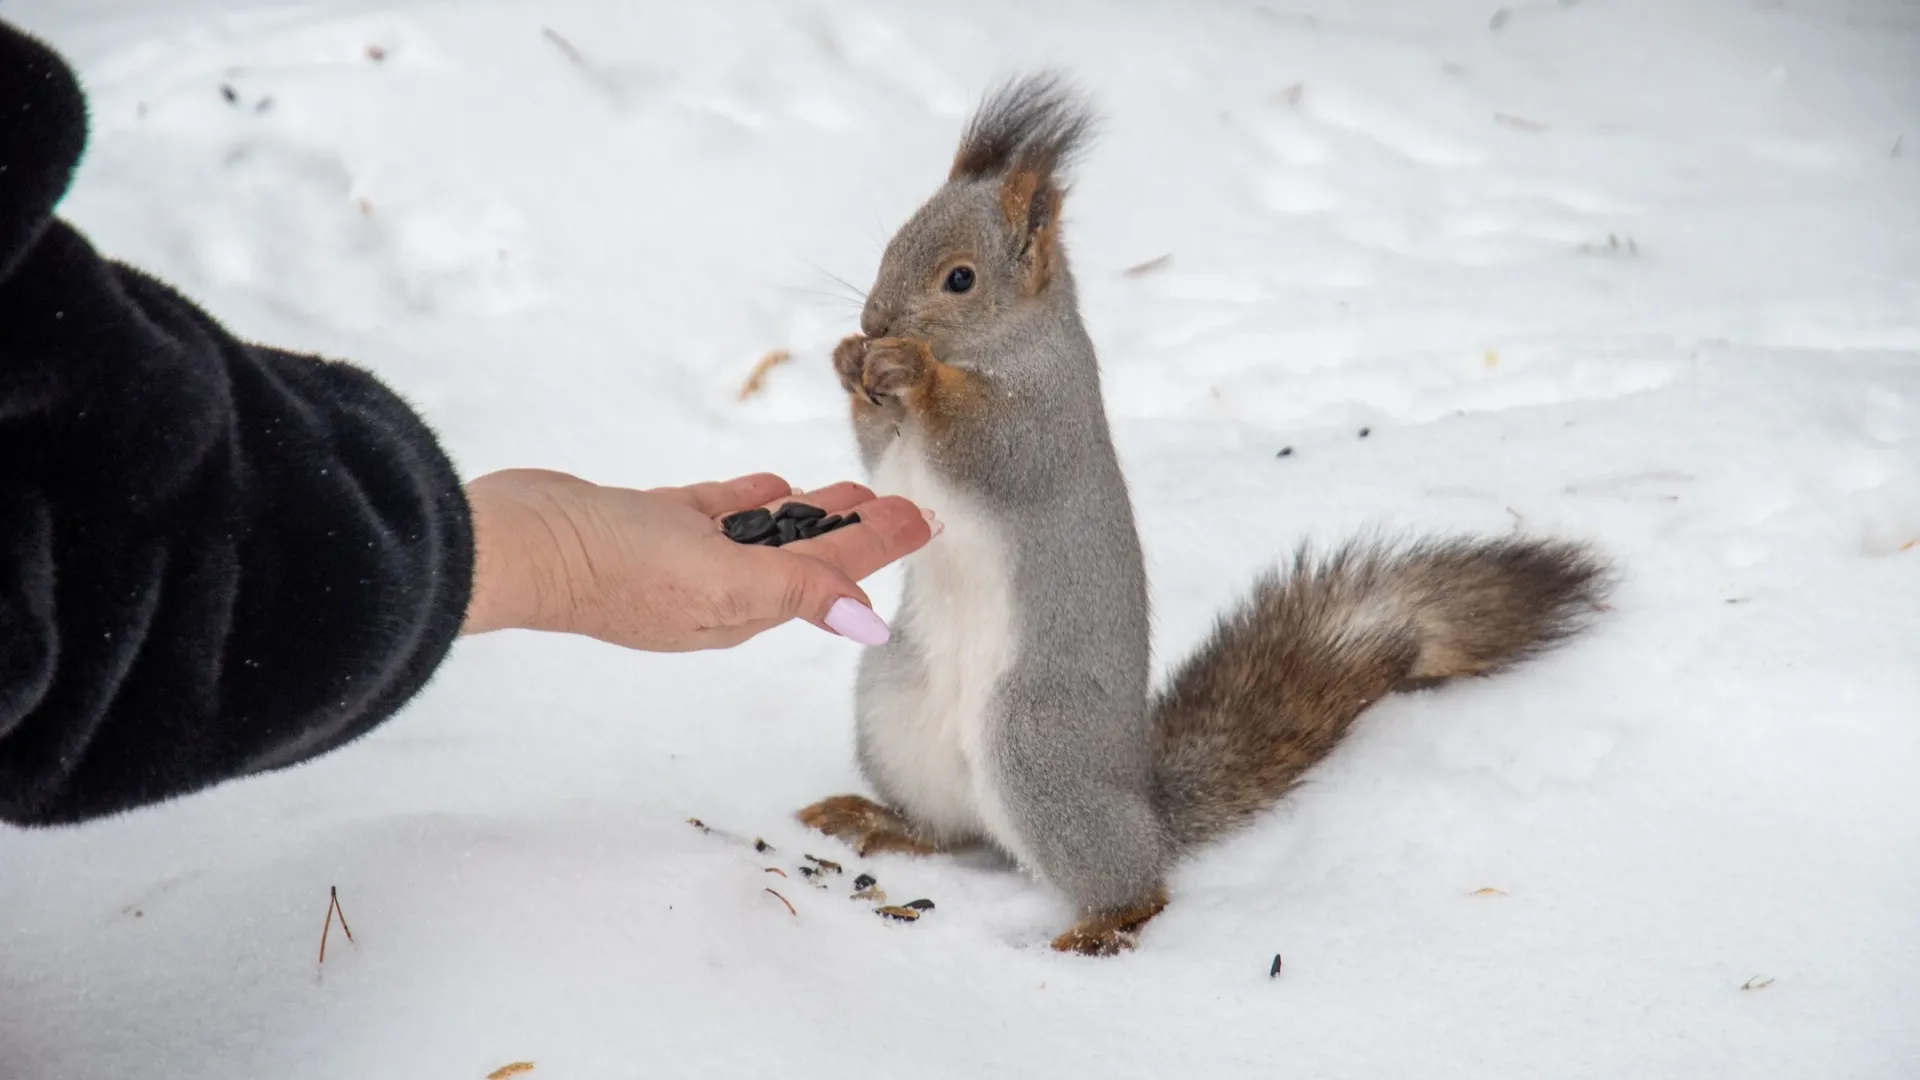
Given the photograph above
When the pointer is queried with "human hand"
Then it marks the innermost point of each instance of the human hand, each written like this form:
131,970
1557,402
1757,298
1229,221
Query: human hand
652,570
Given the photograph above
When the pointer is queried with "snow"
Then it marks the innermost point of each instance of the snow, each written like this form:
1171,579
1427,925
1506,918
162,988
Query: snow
1641,271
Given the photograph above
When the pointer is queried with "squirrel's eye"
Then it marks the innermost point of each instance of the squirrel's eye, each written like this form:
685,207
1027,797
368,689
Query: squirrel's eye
960,279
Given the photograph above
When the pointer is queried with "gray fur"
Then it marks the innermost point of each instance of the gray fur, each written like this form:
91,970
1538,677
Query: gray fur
1074,738
1102,787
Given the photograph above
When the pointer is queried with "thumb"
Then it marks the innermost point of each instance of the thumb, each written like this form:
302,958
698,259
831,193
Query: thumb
819,593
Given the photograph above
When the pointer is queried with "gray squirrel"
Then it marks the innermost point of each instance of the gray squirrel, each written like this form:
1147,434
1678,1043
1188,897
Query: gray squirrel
1011,706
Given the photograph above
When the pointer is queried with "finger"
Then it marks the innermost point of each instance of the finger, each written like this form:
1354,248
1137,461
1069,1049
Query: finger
834,499
719,498
816,579
824,596
890,529
772,585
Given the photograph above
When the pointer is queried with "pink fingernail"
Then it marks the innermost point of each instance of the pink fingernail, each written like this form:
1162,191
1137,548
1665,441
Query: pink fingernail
856,621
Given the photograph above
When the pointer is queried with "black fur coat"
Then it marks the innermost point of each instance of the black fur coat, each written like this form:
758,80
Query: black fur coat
215,558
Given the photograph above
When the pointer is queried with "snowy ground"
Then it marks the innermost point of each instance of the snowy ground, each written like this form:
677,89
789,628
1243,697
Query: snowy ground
1644,271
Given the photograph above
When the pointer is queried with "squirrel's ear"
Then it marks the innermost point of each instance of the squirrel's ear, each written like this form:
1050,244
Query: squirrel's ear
1030,199
1024,134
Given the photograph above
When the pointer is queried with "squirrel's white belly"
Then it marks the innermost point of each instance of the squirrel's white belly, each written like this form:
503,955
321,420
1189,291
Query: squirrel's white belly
928,735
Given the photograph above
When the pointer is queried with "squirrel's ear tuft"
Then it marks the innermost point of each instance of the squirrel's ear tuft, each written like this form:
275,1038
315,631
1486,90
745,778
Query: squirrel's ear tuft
1034,124
1026,133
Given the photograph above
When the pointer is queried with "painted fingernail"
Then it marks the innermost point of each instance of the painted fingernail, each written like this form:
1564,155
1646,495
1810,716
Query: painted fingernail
856,621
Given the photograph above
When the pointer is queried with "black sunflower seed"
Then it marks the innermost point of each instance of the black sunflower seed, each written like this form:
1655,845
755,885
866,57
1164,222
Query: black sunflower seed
865,881
919,905
798,512
748,526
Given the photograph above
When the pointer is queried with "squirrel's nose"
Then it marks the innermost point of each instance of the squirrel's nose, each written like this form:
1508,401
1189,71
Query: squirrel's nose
874,319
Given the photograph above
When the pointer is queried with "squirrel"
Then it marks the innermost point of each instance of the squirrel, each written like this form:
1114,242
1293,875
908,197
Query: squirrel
1012,705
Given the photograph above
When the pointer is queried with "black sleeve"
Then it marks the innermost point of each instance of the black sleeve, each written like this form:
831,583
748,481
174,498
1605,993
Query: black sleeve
215,559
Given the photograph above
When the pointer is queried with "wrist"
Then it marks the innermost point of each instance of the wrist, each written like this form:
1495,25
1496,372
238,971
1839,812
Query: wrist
518,568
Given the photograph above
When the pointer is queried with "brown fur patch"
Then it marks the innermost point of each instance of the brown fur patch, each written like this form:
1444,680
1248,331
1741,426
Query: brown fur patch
895,377
1043,246
948,401
1282,679
866,826
1016,199
1106,933
1031,203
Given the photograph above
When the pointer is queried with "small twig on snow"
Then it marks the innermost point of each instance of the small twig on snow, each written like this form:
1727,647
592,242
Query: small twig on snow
333,909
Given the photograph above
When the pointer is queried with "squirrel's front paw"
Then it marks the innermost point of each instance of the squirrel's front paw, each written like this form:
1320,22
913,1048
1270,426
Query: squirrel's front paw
882,369
850,362
896,365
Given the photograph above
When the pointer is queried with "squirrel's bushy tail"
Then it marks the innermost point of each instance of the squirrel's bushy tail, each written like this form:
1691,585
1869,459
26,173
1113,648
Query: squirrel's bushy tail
1276,687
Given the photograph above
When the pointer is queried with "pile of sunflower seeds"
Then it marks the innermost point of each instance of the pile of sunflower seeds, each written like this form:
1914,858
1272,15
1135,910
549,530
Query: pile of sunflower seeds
793,521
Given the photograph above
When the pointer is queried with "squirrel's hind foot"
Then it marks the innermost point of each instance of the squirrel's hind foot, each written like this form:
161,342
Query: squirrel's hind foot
1109,933
865,826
